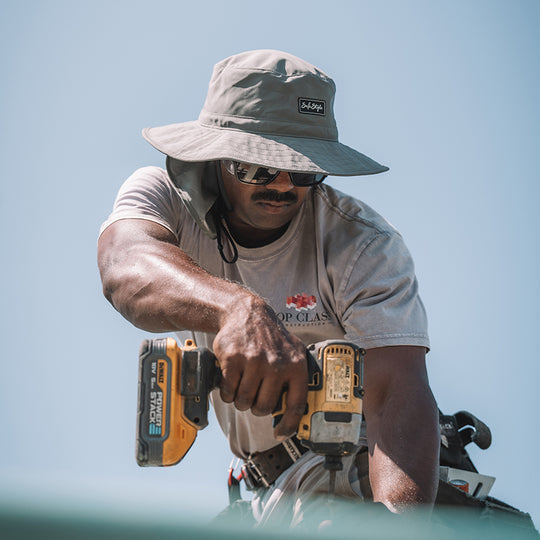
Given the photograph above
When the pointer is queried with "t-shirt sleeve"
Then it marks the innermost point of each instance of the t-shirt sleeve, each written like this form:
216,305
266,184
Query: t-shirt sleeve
148,194
378,298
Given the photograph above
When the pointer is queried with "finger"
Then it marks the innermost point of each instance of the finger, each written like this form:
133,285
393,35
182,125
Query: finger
267,398
295,407
246,392
230,379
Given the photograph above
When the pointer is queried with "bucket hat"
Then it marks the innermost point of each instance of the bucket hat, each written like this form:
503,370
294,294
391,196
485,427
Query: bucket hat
268,108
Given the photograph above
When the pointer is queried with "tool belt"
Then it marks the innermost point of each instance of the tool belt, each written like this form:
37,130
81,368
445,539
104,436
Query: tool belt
261,469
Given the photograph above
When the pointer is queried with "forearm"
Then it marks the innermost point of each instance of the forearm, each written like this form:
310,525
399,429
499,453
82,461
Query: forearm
402,427
158,288
404,453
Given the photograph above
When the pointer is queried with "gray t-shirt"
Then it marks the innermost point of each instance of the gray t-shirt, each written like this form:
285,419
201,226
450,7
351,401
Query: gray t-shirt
340,271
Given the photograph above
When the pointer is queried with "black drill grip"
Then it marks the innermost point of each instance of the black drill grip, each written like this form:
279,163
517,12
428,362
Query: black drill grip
200,374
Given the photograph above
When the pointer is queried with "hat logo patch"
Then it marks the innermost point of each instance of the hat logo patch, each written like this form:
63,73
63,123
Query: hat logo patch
312,106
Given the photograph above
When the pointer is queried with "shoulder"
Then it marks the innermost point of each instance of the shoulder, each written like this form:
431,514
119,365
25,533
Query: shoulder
151,171
342,207
355,238
148,194
148,178
150,187
337,212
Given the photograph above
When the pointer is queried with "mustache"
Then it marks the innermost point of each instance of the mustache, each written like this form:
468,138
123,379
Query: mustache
271,195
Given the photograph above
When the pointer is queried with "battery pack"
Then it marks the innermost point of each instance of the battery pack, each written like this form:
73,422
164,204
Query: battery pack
159,442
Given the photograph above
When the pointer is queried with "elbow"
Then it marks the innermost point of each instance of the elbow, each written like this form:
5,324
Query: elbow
137,300
119,287
114,287
108,289
128,282
119,278
110,274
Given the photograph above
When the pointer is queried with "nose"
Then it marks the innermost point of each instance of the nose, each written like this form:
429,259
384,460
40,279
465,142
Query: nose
282,182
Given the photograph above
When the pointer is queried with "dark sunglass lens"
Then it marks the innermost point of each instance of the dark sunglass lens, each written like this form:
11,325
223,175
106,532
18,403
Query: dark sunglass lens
264,176
241,170
307,179
251,174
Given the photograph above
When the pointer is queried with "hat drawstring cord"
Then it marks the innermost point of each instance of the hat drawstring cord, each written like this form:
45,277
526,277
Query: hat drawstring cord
219,230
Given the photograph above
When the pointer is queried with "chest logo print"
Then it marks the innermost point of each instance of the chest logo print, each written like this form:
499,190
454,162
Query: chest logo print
301,302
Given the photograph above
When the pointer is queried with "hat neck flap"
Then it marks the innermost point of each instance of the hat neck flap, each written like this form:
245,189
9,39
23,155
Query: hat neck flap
197,185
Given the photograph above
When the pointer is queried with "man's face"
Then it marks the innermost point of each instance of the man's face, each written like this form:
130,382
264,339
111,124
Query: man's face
259,212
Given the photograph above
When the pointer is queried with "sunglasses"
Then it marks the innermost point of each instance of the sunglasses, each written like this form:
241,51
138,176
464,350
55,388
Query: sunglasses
261,176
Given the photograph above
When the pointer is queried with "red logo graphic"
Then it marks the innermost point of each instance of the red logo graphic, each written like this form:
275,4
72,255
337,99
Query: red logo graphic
301,302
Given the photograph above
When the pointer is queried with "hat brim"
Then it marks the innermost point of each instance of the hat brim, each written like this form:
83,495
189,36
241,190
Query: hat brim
193,142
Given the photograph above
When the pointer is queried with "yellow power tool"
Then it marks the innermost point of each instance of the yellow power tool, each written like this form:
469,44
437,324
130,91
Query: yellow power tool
332,421
175,382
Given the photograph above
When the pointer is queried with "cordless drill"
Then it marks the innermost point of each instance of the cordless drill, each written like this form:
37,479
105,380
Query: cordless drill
175,382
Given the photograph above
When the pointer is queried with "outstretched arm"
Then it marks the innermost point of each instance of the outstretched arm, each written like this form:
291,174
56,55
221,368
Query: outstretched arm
402,427
158,288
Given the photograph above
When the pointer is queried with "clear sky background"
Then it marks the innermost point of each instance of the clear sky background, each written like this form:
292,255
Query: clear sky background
444,93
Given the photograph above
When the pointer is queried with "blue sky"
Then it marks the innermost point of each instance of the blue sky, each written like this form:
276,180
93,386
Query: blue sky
444,93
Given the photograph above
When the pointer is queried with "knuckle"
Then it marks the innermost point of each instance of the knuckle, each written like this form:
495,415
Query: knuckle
244,399
258,410
227,373
226,396
242,403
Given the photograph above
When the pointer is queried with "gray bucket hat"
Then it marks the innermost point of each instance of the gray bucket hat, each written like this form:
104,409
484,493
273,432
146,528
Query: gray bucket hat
269,108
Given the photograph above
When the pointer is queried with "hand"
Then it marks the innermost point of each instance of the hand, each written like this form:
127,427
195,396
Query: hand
258,358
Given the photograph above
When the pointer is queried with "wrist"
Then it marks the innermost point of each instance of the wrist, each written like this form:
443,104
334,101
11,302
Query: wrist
243,307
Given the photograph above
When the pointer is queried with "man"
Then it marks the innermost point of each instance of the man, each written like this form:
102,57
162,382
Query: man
239,242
